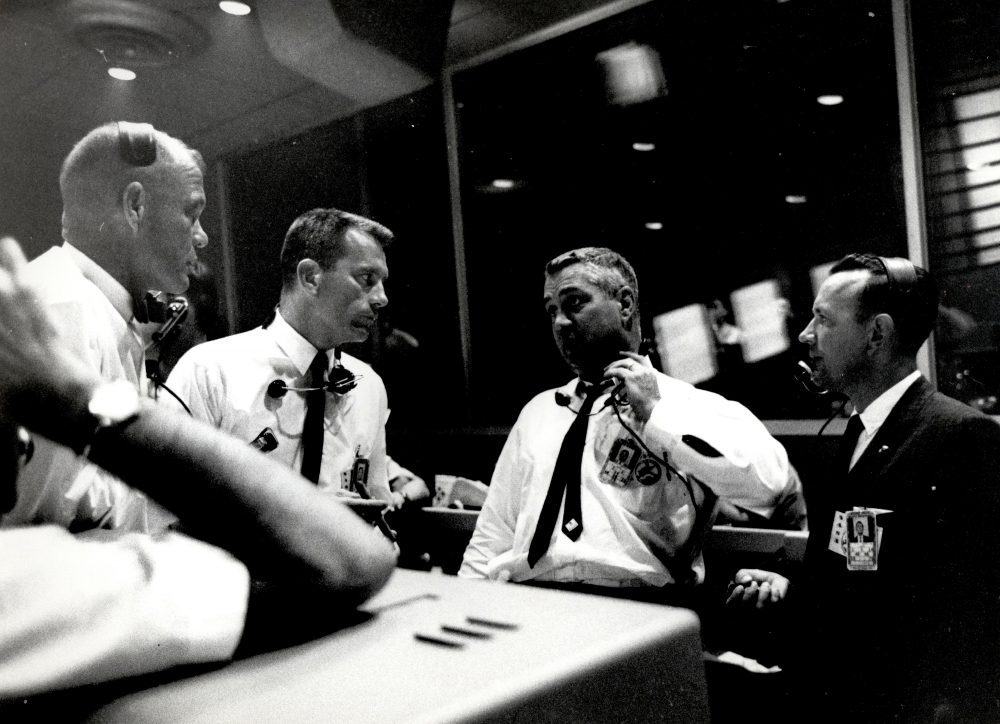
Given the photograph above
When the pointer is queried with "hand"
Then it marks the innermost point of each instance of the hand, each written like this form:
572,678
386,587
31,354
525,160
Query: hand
40,378
760,587
642,391
728,512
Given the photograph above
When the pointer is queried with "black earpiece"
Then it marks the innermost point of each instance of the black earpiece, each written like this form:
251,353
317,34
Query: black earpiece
136,143
901,276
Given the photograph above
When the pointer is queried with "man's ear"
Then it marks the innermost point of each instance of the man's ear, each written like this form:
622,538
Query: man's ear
134,204
626,298
309,275
882,332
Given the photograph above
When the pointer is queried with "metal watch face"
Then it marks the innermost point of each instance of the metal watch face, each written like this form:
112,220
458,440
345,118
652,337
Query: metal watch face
114,403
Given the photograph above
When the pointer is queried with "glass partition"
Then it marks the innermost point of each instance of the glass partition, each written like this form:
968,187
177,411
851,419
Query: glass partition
731,151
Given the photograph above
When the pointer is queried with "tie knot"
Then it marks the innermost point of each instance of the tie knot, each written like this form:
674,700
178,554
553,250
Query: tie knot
854,428
318,368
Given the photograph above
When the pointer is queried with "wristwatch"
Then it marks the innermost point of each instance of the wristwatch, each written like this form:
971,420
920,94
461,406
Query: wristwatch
111,405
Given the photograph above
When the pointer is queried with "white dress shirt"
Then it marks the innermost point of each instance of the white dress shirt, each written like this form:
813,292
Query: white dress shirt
104,605
630,527
94,313
225,382
876,413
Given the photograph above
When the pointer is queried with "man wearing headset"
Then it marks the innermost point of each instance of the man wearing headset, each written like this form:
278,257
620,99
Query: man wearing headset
923,471
275,555
271,384
633,459
132,198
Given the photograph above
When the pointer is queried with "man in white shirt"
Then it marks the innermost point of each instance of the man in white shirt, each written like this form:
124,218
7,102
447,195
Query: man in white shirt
924,471
132,198
651,460
276,562
260,384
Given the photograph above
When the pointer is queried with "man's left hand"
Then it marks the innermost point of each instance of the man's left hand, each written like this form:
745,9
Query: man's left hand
641,388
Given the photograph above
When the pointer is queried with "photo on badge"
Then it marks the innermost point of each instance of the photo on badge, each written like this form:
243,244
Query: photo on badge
861,541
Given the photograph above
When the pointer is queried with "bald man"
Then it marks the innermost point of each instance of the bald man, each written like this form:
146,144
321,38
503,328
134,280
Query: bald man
132,199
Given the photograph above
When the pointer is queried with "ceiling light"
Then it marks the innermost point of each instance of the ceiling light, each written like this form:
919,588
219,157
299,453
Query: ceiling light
795,199
121,73
235,8
643,146
654,225
830,100
502,183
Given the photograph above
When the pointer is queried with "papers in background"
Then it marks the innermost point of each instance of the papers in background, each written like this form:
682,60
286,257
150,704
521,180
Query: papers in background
686,344
818,275
760,312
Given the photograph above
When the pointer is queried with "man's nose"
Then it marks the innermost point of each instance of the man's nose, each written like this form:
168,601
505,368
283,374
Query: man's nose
806,336
200,237
378,296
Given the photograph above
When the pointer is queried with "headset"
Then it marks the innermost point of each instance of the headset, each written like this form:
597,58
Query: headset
901,276
136,143
340,380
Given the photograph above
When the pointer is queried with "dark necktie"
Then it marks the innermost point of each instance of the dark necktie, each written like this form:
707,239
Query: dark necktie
565,476
847,444
312,430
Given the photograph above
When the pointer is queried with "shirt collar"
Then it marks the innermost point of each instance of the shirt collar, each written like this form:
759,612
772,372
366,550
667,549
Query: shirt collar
294,345
876,413
119,297
579,388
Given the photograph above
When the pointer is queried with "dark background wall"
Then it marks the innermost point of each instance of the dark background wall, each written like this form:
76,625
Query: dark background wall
388,163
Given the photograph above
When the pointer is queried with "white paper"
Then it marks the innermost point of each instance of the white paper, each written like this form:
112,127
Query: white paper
686,344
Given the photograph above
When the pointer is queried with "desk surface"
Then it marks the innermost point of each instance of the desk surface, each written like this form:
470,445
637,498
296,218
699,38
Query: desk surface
568,657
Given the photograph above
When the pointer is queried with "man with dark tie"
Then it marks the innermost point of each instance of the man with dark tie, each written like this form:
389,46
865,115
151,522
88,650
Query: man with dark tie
921,473
132,199
608,482
286,386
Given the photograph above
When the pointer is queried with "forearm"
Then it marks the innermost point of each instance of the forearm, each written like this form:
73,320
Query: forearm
735,457
224,493
266,514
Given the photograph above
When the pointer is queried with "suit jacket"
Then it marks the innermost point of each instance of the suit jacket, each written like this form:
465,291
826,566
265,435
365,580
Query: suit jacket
928,620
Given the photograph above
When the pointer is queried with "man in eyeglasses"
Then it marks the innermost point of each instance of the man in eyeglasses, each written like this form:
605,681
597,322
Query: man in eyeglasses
608,483
132,199
285,386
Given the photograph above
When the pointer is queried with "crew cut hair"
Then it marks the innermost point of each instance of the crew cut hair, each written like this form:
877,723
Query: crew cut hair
319,235
95,164
914,311
606,268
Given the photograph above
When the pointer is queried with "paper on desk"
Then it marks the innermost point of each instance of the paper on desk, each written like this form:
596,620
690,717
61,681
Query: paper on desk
449,489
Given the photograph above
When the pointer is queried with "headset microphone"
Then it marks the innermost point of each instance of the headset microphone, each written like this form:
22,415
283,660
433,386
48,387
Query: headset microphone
340,380
804,374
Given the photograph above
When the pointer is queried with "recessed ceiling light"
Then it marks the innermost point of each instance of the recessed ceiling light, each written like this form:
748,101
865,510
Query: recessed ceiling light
502,183
643,146
234,8
795,199
121,73
830,100
654,225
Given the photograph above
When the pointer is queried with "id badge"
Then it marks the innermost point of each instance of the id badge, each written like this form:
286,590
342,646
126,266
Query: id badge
359,475
862,541
617,469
